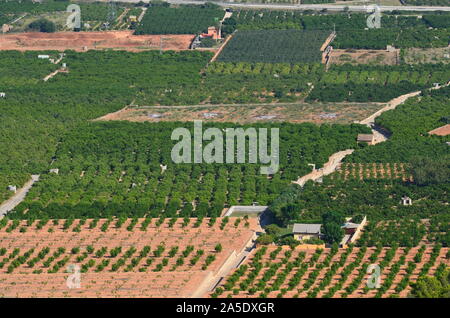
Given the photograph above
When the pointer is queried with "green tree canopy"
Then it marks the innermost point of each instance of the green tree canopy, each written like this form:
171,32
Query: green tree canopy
42,25
428,171
333,217
432,287
333,233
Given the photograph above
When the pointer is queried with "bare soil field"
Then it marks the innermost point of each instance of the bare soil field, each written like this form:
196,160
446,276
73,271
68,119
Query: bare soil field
308,276
294,113
80,41
158,260
441,131
364,57
102,285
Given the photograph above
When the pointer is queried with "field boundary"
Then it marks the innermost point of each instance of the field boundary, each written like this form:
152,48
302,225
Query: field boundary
216,55
231,263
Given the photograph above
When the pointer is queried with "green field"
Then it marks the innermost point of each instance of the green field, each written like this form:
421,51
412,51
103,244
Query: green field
114,168
50,119
378,195
94,14
274,46
183,20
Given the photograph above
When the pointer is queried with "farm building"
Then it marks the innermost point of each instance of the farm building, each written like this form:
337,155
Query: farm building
367,138
306,231
406,201
441,131
350,228
6,28
390,48
212,33
55,171
12,188
352,231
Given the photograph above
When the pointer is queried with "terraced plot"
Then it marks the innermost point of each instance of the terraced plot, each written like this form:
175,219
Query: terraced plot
284,272
117,258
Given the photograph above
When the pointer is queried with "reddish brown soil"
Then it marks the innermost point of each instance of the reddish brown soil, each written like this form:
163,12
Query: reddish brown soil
172,280
300,291
80,41
441,131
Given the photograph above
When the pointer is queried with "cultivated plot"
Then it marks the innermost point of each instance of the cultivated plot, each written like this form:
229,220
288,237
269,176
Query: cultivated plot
274,46
331,272
116,257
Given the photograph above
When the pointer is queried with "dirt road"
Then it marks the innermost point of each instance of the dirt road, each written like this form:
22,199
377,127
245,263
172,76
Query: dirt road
380,136
329,167
390,105
142,14
52,74
317,7
18,197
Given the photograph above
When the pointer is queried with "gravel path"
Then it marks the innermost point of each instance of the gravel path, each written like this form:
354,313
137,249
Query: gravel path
18,197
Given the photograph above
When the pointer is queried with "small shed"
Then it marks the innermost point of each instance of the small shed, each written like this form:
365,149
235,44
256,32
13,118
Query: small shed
306,231
390,48
55,171
6,28
367,138
3,95
350,227
406,200
12,188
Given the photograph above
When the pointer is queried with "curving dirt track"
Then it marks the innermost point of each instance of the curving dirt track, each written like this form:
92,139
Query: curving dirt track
329,167
80,41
